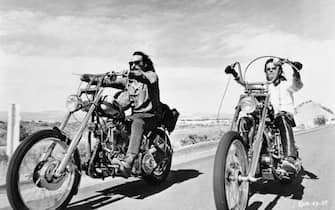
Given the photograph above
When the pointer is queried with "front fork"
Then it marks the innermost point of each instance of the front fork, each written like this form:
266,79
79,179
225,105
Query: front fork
256,148
51,147
74,143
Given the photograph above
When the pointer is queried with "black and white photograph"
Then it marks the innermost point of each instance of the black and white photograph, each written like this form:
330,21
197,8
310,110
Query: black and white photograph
170,105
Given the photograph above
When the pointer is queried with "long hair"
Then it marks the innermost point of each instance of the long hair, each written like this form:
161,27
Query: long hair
149,65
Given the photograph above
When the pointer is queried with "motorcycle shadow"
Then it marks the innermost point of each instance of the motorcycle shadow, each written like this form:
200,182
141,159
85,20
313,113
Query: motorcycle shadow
137,189
294,190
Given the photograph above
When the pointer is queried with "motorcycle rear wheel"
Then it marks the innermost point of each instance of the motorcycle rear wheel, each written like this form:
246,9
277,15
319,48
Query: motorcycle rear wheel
231,161
30,182
162,171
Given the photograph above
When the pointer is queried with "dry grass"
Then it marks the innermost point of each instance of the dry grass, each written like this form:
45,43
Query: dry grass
3,165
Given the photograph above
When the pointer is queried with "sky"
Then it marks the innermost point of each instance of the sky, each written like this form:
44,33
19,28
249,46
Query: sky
43,42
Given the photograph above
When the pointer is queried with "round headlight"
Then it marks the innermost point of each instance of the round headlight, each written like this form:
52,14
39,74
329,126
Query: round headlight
73,102
248,104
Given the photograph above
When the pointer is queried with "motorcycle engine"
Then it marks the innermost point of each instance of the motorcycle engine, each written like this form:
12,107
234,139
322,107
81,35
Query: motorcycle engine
266,160
148,163
117,140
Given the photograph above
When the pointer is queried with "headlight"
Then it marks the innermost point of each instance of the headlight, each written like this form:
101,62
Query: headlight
248,104
73,102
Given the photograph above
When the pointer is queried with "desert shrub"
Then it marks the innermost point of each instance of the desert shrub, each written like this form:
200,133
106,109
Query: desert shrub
320,120
24,132
3,156
194,139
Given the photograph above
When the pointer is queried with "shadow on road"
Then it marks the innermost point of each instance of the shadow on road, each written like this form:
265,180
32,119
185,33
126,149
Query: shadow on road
138,189
294,190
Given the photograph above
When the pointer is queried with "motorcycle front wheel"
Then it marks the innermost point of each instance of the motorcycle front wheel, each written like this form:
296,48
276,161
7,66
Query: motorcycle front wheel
231,161
30,181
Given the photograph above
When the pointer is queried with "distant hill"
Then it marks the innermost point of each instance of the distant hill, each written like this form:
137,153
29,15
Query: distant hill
307,111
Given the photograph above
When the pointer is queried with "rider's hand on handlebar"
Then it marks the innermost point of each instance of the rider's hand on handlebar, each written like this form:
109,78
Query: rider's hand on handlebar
281,61
112,76
230,70
297,65
85,77
135,73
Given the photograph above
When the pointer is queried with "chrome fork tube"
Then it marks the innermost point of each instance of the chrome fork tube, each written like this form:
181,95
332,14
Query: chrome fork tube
65,121
259,140
235,118
51,147
77,137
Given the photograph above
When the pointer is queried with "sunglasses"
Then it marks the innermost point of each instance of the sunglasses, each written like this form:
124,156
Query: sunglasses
131,63
273,68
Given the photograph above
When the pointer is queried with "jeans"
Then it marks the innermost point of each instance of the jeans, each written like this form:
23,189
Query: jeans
141,123
283,121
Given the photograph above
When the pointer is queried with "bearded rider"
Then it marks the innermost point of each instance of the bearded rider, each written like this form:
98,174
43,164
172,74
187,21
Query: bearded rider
281,97
141,93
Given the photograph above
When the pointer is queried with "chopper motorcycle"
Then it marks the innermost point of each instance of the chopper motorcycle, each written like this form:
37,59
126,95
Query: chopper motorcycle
239,163
46,168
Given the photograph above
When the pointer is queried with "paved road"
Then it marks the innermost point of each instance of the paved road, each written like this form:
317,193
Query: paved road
190,185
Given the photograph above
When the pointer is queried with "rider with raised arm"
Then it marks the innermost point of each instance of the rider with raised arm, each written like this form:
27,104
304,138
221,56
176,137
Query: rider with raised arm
282,100
281,97
141,93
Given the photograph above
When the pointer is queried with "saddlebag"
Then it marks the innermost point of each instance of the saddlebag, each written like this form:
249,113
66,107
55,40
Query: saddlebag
168,117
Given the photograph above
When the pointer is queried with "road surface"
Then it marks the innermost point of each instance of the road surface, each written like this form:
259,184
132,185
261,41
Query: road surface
189,187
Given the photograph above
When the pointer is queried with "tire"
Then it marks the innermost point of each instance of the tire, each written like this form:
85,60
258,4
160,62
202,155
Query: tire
155,179
286,181
225,165
158,177
23,151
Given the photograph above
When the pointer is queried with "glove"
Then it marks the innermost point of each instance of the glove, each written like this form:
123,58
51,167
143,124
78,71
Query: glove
279,62
135,74
297,65
230,70
85,77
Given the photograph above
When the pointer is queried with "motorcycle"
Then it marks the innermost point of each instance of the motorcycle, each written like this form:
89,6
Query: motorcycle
237,163
45,170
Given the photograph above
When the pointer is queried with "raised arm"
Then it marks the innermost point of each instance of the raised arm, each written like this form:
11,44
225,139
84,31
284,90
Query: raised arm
230,70
296,78
116,81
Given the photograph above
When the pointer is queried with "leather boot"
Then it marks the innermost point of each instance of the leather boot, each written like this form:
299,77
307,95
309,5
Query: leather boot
125,165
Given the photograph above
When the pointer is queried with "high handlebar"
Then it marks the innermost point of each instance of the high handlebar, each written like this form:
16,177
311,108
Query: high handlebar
100,77
230,69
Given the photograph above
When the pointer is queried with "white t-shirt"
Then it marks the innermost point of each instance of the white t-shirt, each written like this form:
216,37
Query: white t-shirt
281,96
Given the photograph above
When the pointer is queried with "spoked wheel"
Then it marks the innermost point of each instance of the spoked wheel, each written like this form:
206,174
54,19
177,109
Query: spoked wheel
231,162
31,183
160,173
164,161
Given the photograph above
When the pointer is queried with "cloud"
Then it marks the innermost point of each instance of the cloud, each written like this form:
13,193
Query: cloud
110,29
43,42
27,33
181,32
317,74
